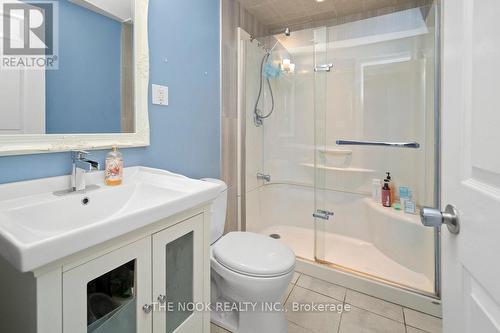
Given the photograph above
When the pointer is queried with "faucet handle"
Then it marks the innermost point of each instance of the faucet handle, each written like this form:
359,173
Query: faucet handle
79,154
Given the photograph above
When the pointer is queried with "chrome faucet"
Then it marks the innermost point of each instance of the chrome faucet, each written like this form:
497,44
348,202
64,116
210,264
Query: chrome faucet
81,165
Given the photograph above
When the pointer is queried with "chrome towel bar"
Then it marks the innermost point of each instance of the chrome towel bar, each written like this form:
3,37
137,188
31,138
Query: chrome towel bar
413,145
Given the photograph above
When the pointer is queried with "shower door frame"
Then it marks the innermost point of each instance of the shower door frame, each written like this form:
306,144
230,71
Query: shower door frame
437,175
242,36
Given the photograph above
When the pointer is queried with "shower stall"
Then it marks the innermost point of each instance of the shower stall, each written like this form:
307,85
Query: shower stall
351,101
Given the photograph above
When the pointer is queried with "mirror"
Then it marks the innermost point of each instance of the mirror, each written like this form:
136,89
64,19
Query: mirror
74,74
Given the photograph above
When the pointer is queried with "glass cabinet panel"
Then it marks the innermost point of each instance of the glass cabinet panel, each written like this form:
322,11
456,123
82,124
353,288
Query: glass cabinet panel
111,301
178,272
179,284
107,294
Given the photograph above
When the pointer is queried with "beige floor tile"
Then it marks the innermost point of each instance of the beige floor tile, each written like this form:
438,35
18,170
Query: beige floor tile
362,321
296,276
293,328
322,287
410,329
423,321
216,329
375,305
320,322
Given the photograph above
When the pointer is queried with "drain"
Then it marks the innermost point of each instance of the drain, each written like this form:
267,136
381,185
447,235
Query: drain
275,236
85,201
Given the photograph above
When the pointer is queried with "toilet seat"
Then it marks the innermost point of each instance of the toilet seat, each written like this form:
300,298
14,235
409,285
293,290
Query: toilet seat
253,254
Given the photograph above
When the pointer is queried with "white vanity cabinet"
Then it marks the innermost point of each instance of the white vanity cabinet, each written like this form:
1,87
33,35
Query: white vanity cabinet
144,282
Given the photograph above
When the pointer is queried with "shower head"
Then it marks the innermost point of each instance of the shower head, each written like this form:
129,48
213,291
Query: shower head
287,33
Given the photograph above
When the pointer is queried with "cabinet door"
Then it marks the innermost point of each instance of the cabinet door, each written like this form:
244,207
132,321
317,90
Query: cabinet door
107,294
178,277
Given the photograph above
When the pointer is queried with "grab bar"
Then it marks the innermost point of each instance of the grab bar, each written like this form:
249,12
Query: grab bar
413,145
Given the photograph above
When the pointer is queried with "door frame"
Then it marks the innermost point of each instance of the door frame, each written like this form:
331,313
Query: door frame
437,144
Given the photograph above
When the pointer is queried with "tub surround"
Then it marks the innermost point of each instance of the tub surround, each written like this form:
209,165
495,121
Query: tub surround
364,240
362,235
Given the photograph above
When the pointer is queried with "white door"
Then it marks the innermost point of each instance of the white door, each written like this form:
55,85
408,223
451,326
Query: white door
22,91
471,164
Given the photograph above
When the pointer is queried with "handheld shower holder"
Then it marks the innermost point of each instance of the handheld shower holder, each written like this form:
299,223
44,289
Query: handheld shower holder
258,121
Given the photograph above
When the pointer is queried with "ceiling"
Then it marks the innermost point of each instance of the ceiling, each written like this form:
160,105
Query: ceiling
276,14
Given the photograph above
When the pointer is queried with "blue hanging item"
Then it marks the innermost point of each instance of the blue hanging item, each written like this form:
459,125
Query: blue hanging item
271,71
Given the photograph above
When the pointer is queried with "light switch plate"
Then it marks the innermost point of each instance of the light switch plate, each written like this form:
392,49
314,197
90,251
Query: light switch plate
160,94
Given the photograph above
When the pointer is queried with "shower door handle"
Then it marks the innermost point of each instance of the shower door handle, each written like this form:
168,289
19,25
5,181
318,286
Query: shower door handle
322,214
323,68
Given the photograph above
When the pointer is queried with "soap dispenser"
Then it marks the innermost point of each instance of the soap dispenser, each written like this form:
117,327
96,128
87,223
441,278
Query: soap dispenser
386,194
114,167
391,187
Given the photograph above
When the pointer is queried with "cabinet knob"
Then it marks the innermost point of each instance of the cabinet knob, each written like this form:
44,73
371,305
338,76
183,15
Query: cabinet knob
162,299
147,308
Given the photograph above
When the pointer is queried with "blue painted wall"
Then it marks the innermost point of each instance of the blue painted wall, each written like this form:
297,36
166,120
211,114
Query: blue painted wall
83,96
185,136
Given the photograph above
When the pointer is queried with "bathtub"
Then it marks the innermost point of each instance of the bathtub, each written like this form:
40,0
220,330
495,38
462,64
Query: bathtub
364,246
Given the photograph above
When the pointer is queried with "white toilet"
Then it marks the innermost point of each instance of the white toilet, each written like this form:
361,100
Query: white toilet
249,276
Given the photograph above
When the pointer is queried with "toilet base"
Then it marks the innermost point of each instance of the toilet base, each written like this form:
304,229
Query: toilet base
251,321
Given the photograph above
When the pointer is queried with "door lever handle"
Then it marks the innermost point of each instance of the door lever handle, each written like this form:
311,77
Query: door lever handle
432,217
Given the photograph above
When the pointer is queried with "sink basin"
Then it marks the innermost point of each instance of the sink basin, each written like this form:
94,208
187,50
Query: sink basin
38,227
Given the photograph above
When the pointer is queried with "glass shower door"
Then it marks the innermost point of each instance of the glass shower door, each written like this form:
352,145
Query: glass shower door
322,215
381,92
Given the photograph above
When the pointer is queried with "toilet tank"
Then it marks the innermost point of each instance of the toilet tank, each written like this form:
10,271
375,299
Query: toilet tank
218,221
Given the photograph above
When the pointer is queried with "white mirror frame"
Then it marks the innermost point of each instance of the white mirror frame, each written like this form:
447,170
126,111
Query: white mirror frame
20,144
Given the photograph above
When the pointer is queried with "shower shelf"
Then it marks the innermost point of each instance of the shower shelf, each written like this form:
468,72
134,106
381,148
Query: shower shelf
329,168
334,151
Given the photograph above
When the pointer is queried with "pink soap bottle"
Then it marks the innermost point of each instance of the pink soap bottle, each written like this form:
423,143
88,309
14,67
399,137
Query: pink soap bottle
386,194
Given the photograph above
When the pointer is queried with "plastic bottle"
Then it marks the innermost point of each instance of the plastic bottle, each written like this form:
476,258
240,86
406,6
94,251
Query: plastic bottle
377,190
114,167
386,194
391,187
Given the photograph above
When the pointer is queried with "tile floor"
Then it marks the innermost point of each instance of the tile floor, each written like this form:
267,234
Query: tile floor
367,315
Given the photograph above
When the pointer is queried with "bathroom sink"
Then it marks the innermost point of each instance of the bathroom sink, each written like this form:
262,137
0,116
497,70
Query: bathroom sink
38,227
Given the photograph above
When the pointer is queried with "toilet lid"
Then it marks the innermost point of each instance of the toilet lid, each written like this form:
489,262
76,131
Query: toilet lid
253,254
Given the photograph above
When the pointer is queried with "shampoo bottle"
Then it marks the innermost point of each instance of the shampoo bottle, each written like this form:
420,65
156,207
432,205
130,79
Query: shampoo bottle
114,168
386,194
391,187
